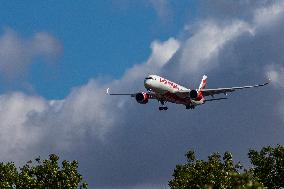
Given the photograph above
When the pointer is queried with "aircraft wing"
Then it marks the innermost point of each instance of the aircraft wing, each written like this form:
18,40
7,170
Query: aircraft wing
151,95
182,93
212,92
127,94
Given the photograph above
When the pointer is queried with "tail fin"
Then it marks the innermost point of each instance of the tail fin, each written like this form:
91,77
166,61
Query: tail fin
203,82
201,86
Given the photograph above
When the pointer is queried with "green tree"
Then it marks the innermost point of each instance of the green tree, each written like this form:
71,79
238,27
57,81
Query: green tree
8,175
268,165
214,173
46,174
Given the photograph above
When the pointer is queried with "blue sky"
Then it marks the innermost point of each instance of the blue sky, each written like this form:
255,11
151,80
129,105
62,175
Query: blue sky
58,57
99,38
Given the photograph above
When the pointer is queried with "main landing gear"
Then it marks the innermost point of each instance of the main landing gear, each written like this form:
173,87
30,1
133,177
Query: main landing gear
190,107
163,107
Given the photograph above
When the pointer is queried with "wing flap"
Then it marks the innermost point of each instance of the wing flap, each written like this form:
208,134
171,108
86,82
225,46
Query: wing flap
214,99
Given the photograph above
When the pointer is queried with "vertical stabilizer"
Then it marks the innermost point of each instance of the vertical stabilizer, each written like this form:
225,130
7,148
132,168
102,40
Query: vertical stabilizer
202,86
203,82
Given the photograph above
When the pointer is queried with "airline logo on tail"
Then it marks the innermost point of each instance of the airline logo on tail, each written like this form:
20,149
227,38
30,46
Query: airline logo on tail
202,85
203,82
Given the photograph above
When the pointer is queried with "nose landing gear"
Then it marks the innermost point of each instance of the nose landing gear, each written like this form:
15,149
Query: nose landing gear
163,107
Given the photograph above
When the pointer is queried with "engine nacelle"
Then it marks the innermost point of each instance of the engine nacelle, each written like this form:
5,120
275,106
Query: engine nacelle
193,94
142,98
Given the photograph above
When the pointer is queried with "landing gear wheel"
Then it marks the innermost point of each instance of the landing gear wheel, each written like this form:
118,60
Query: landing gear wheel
190,107
163,108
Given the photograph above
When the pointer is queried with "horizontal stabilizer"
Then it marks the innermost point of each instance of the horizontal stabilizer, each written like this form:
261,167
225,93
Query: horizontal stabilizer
213,99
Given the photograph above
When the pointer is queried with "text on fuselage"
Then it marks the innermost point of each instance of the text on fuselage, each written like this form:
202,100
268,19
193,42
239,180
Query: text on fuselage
169,83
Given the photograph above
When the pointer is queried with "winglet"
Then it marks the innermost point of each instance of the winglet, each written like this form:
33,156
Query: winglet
268,80
107,91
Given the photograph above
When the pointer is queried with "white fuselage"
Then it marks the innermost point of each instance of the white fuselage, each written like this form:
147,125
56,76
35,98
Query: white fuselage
165,90
162,85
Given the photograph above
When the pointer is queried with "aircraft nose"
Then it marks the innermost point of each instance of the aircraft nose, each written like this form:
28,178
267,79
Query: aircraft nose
147,84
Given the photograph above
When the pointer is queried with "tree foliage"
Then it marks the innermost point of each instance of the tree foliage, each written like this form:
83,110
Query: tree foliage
44,174
220,172
8,175
217,172
268,165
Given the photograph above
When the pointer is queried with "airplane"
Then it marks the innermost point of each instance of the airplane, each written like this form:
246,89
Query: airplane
165,91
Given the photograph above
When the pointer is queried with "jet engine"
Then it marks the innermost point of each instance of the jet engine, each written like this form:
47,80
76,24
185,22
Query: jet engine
142,98
193,94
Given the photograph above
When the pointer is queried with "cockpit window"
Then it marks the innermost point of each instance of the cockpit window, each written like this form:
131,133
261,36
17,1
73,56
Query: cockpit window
149,78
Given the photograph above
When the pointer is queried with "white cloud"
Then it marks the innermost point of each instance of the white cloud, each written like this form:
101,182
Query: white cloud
29,121
269,15
276,74
45,45
199,53
17,53
206,43
16,138
163,51
88,106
